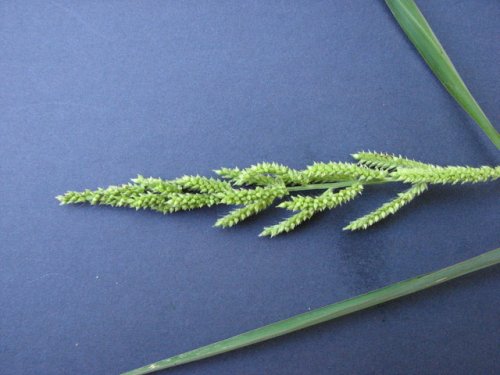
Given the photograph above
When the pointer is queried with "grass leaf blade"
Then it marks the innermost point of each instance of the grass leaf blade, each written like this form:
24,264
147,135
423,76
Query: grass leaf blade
421,35
329,312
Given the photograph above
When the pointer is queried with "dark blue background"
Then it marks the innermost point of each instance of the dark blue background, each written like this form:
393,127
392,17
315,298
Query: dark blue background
94,93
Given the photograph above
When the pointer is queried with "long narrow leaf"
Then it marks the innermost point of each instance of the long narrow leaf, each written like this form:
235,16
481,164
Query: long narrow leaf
329,312
420,33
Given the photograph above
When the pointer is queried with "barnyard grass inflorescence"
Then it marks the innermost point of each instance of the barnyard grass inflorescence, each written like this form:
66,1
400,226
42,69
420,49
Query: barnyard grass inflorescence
257,187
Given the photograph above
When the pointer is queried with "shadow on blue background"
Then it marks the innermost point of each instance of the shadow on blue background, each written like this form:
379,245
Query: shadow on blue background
94,93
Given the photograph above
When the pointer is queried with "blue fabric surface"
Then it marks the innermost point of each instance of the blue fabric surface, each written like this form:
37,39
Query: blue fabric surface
94,93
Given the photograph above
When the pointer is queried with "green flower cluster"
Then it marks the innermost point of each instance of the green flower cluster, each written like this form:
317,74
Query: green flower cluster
308,206
325,172
240,214
387,208
202,184
157,185
325,201
386,161
116,196
446,175
265,173
255,188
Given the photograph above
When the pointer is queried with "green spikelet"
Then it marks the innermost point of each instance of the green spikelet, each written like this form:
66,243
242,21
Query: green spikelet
240,214
228,173
152,201
388,208
287,225
308,206
252,178
327,200
247,196
133,196
203,184
327,172
446,175
386,161
157,185
265,173
190,201
116,196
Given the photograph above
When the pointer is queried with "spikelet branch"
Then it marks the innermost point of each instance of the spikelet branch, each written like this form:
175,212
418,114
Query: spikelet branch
388,208
240,214
287,225
266,173
157,185
189,201
230,174
446,175
329,172
308,206
203,184
117,196
247,196
386,161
